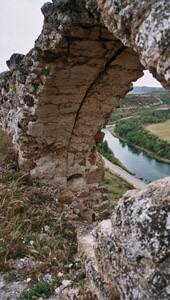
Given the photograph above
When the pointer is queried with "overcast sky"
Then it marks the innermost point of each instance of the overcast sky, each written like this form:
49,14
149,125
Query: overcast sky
20,25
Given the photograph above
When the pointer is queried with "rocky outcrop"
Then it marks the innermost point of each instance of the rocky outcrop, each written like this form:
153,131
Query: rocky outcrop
128,257
56,99
143,26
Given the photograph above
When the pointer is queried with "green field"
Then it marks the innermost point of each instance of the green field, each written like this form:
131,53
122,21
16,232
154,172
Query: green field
116,187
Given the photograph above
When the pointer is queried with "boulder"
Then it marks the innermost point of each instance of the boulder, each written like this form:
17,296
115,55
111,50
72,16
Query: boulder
128,256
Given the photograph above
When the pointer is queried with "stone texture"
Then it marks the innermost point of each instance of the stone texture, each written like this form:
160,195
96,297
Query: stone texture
14,61
128,257
144,26
56,99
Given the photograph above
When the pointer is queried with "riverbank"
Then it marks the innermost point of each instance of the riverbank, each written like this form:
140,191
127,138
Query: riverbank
137,161
149,153
106,152
138,184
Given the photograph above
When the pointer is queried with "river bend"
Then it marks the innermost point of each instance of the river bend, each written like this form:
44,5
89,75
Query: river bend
136,161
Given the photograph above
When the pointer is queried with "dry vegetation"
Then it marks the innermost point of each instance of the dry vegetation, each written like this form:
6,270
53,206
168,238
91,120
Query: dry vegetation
35,236
162,130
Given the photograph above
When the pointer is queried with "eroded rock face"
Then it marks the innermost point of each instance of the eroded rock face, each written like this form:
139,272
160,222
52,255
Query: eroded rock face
56,99
128,257
143,26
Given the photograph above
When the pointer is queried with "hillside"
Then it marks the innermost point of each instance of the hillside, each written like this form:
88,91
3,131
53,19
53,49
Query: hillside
137,104
146,100
146,89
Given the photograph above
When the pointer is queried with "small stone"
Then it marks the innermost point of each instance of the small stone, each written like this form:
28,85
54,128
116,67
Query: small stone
43,236
168,289
60,274
48,277
57,290
46,228
66,283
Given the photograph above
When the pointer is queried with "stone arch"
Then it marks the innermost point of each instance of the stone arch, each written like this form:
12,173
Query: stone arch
56,99
80,90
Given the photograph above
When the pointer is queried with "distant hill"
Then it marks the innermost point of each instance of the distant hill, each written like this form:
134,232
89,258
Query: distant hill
150,99
146,89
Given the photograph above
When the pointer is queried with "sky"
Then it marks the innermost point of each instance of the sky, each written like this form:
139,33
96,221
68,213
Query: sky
20,25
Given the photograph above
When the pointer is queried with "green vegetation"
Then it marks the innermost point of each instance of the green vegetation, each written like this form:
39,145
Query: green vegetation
123,113
13,89
34,88
137,104
134,131
41,289
47,73
107,153
164,97
146,100
116,187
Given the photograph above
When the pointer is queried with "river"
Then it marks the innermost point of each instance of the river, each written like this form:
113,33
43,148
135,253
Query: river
136,161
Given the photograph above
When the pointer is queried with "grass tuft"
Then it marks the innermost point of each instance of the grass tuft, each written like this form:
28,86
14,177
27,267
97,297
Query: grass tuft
41,289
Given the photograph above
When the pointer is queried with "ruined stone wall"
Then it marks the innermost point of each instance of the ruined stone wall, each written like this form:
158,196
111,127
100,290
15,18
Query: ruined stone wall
59,96
56,99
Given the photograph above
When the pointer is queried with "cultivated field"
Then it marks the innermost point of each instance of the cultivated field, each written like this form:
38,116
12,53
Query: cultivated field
162,130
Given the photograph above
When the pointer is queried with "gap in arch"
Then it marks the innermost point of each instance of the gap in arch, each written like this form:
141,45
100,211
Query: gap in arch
147,80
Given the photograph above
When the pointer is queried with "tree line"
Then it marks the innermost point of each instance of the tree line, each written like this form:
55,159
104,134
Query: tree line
133,131
105,151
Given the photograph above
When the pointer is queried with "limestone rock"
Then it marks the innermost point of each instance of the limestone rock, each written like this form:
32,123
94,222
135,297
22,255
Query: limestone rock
144,26
14,61
128,257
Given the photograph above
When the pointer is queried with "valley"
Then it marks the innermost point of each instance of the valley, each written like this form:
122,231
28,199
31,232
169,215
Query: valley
140,142
137,104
